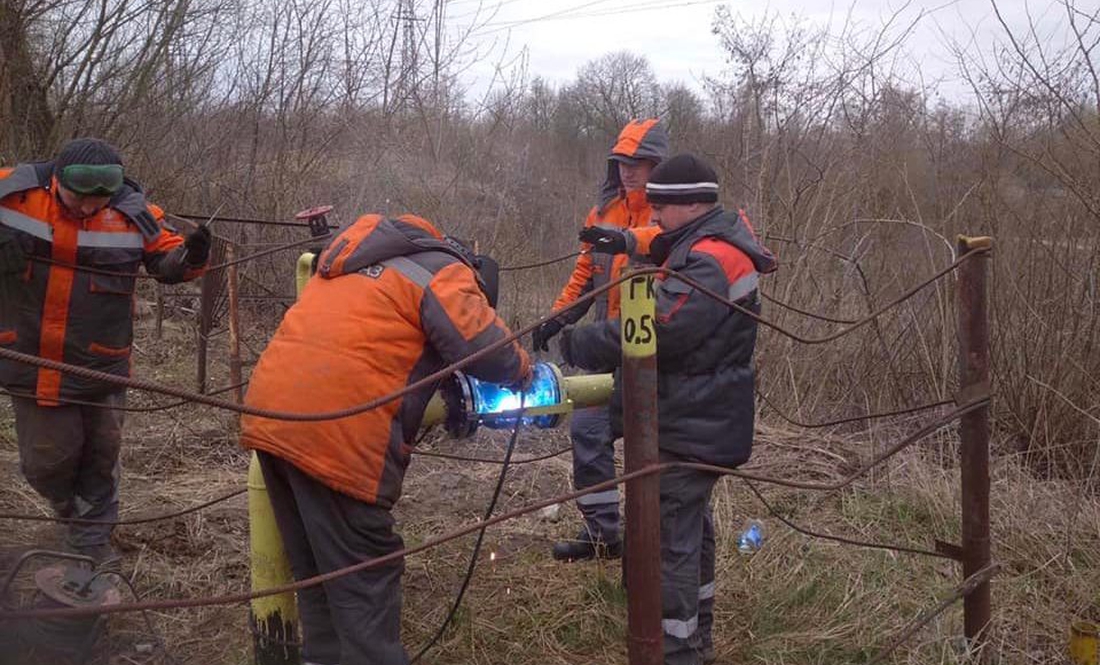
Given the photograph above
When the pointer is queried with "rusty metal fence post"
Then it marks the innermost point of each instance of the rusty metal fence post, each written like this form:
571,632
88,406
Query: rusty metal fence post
643,495
973,335
234,323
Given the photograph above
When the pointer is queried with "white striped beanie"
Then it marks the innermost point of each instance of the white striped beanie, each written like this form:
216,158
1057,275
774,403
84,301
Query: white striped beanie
682,180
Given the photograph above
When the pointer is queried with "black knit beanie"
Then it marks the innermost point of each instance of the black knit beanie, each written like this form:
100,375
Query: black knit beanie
682,180
86,151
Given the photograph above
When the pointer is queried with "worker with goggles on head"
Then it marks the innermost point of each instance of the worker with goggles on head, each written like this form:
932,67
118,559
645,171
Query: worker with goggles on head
73,233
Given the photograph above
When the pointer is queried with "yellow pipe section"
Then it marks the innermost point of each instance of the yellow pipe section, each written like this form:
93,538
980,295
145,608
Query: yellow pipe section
273,617
1083,643
303,270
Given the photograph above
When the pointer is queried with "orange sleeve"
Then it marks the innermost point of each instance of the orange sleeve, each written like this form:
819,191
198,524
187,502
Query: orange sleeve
643,238
164,254
580,281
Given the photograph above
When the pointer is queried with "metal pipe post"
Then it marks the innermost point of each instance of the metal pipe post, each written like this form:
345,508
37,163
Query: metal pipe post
643,495
973,332
234,324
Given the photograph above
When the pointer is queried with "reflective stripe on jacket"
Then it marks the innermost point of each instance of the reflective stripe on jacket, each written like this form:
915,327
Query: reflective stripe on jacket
69,315
390,304
705,370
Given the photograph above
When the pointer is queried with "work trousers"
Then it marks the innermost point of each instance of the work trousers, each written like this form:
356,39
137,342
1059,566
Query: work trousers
354,619
593,463
687,564
69,455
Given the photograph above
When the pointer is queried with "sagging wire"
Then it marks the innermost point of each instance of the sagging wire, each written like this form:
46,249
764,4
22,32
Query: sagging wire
540,264
489,460
968,587
480,534
124,522
316,580
852,419
839,539
73,401
235,220
105,377
212,268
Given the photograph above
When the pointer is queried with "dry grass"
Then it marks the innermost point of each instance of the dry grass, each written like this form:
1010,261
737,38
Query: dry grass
796,601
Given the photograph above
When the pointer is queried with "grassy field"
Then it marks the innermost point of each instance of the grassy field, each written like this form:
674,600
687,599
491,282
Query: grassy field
797,601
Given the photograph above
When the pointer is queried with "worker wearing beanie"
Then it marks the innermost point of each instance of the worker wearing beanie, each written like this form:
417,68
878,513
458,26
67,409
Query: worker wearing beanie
641,145
71,231
705,380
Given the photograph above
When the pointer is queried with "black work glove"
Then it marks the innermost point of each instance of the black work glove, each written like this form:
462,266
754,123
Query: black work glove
198,247
12,259
566,345
545,332
604,241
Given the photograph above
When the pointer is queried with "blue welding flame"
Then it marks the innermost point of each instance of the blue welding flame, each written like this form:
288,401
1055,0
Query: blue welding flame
490,399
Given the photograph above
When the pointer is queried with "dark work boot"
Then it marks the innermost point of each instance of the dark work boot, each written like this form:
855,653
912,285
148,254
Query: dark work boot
586,546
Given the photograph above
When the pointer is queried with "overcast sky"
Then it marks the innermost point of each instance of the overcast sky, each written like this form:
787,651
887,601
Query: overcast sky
559,36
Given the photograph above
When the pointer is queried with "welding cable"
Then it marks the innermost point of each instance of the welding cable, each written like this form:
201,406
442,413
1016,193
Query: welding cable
480,534
539,264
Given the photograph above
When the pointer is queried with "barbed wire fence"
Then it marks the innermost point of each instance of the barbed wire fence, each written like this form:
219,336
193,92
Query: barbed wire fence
971,407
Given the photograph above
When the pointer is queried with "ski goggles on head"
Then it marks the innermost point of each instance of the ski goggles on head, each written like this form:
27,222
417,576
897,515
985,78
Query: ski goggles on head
91,179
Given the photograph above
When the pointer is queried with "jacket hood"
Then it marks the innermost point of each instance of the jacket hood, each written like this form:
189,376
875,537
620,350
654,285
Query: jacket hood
640,139
374,238
733,227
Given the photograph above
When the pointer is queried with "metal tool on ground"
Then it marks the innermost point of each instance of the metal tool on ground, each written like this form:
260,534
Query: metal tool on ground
71,581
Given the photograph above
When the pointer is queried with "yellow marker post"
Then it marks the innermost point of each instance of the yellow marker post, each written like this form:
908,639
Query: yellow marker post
1084,638
638,333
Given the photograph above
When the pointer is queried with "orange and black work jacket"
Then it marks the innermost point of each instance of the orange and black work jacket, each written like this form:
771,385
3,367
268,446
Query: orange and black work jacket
705,375
70,315
617,209
391,303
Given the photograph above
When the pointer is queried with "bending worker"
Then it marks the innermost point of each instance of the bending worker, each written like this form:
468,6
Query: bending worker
392,302
641,145
73,231
704,382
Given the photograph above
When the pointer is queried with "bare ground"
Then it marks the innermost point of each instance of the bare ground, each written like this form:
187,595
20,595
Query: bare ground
796,601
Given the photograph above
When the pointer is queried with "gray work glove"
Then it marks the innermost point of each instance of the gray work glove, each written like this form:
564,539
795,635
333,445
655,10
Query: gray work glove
12,259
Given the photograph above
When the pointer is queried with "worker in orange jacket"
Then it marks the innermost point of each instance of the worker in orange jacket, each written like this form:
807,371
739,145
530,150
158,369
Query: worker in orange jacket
392,302
617,228
73,231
